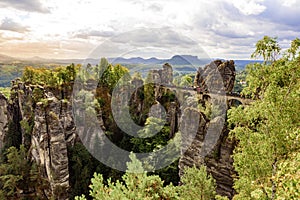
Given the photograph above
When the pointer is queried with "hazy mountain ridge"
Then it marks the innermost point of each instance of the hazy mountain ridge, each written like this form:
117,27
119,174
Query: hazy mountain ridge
175,60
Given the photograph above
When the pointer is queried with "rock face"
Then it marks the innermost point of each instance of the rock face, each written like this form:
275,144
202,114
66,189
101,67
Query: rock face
52,131
45,127
3,119
216,73
163,76
218,160
210,146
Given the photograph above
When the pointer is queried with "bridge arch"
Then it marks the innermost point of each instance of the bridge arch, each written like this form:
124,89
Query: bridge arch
234,102
206,97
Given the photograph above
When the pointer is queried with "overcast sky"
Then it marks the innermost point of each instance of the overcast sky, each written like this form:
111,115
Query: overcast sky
74,28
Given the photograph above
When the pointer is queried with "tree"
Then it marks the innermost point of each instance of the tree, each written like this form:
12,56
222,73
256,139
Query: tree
109,75
268,133
149,92
136,186
147,143
18,175
268,48
137,76
294,50
196,185
186,81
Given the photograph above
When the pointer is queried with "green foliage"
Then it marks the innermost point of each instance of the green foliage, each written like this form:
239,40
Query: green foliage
13,136
261,76
148,144
37,94
293,51
81,169
18,175
219,197
210,110
268,133
240,81
9,73
108,75
135,186
50,77
5,91
186,81
149,91
137,75
287,177
197,184
82,166
268,48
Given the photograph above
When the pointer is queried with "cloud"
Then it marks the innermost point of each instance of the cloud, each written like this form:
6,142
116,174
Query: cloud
249,7
25,5
86,34
46,49
155,7
10,25
159,37
284,14
161,42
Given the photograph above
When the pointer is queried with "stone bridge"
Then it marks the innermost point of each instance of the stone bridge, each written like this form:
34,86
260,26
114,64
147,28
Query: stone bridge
232,98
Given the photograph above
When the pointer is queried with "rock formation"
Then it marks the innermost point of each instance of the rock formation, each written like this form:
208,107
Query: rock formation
42,120
215,75
218,160
163,76
3,119
45,127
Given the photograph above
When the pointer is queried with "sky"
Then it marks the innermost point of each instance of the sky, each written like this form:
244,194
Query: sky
225,29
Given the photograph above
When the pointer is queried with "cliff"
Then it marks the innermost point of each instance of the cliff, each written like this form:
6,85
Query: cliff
43,123
3,119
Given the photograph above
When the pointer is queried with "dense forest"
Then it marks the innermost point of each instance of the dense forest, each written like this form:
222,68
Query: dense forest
40,128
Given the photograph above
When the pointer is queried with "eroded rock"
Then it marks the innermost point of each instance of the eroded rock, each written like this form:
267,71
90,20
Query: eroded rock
216,75
3,119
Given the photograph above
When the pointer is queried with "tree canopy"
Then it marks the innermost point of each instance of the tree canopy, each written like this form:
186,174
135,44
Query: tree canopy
267,155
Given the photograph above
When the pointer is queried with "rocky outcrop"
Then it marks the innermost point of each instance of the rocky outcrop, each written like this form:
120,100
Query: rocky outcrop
215,75
162,76
217,158
210,146
36,118
53,129
3,119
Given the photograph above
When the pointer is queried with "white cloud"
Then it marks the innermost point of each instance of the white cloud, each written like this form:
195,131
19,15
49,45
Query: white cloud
249,7
10,25
288,3
25,5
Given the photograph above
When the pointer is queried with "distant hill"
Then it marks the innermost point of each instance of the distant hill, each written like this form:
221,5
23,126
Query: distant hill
175,60
187,60
180,60
135,60
241,64
12,67
5,58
